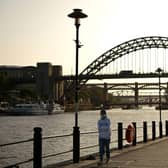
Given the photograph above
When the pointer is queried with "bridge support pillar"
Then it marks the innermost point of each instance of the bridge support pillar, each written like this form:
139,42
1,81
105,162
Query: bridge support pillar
166,93
136,95
105,95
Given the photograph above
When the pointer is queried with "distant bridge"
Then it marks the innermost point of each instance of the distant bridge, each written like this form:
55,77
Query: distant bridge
129,86
136,98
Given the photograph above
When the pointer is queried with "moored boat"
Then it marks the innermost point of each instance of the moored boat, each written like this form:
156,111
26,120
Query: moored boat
55,108
4,106
33,109
127,107
28,109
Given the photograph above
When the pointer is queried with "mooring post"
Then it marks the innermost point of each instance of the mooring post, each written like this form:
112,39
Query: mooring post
76,145
120,136
160,129
153,130
37,153
166,127
144,131
134,140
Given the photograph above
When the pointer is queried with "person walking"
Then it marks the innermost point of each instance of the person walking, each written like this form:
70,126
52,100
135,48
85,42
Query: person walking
104,130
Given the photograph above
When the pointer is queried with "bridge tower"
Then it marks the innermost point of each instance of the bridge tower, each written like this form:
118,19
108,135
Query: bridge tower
43,80
58,86
47,87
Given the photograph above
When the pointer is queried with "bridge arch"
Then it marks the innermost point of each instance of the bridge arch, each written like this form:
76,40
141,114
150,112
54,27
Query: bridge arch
121,50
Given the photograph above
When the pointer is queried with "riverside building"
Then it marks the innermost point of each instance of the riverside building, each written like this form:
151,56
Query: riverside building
40,79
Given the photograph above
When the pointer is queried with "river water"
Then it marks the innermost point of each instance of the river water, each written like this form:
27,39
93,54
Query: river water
18,128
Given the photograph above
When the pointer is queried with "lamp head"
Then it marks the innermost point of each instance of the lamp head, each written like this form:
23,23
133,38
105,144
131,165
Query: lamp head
77,15
159,70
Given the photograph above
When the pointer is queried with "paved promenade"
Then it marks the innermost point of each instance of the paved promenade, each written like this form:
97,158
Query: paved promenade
153,154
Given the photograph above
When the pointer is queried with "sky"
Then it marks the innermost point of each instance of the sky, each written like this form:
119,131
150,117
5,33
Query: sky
34,31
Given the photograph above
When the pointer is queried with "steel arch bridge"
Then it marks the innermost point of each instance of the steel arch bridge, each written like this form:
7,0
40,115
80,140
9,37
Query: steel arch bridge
121,50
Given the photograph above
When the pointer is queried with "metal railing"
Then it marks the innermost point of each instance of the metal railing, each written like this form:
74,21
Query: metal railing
120,141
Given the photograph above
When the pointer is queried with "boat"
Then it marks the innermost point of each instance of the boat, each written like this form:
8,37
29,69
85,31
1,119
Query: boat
148,107
127,107
33,109
28,109
4,106
55,108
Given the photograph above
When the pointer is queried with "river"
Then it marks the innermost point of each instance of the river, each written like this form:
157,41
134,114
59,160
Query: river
18,128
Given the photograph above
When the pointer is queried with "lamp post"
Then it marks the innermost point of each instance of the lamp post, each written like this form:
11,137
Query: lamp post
159,70
77,15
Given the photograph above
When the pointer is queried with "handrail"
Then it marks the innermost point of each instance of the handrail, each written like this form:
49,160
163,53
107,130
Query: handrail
19,163
92,132
57,136
68,151
51,155
92,146
14,143
87,147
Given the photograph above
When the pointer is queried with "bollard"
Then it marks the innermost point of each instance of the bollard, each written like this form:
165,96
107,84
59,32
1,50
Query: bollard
160,129
144,131
37,163
166,127
120,136
153,130
135,140
76,145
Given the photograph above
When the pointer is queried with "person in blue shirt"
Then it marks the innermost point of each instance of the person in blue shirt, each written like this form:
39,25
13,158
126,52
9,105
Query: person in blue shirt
104,131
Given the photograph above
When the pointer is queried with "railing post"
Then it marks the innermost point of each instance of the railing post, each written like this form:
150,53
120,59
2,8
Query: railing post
160,129
120,136
134,140
166,127
37,153
153,130
76,145
144,131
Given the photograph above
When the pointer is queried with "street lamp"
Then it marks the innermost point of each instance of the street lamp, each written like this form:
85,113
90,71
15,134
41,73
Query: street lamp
159,70
77,15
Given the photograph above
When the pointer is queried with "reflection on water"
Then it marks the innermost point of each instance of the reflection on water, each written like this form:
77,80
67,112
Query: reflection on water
16,128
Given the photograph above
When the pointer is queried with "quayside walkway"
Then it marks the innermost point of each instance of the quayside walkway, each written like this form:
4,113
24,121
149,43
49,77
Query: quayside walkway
153,154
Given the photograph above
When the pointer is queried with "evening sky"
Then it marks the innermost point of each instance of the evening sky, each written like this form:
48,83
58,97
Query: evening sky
34,31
